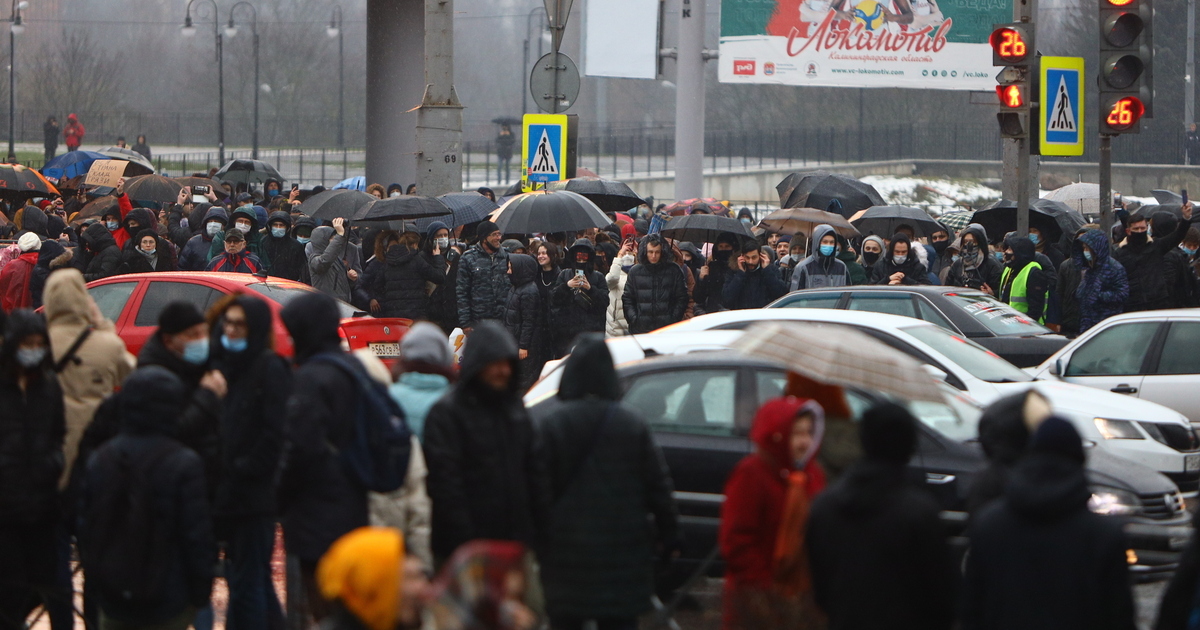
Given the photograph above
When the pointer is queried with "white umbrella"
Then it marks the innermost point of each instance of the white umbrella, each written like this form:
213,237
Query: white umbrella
1083,197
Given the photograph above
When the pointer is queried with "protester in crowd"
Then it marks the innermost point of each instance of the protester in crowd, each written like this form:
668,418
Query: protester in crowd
372,583
195,254
31,461
607,476
975,269
405,275
482,279
150,253
326,267
690,257
443,307
849,257
748,283
655,293
1069,277
1047,249
767,499
1103,286
486,477
372,278
1024,283
1004,430
579,299
940,242
872,250
1039,556
426,372
872,527
549,260
710,285
73,133
522,316
236,258
51,257
1143,255
375,190
135,221
15,276
145,527
50,131
512,246
821,269
1182,282
900,265
285,253
246,221
252,432
488,585
618,275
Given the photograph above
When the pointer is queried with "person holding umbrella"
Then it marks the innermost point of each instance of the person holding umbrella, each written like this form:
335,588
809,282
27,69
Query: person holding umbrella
711,281
900,265
821,269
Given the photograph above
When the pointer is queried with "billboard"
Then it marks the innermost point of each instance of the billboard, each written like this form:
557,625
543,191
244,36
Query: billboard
620,38
926,44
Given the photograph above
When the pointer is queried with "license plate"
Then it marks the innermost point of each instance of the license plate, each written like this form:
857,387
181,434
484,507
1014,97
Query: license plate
1191,463
393,350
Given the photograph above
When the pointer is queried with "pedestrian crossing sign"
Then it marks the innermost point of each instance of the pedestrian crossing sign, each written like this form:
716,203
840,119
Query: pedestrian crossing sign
544,148
1060,106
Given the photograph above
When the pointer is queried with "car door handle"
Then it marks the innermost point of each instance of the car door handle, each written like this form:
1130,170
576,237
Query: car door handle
938,479
1124,389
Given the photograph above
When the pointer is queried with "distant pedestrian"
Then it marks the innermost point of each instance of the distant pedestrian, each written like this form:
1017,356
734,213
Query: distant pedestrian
822,269
16,276
142,147
1191,141
74,132
873,537
763,519
504,153
900,264
522,318
50,131
608,478
749,284
372,583
1103,286
1039,557
579,300
655,293
482,279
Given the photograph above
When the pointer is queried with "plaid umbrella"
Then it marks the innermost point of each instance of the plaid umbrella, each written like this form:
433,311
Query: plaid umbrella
956,221
842,356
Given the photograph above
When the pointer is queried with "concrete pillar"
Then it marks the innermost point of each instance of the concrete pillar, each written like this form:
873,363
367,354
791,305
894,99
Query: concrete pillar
395,84
689,101
439,121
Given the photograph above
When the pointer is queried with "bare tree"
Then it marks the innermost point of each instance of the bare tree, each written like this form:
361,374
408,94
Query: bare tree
71,73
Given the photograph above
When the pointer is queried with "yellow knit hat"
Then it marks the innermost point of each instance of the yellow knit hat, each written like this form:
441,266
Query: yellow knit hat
362,570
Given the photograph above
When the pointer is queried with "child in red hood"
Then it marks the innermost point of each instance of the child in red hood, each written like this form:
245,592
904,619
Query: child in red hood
767,584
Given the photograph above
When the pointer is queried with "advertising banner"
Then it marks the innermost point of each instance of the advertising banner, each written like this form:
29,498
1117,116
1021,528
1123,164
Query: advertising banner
925,44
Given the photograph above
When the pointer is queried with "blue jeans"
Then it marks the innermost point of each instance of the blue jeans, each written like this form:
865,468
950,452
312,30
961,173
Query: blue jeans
253,604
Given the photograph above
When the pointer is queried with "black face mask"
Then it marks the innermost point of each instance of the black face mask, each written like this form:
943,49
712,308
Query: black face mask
970,249
871,258
1138,238
722,255
940,247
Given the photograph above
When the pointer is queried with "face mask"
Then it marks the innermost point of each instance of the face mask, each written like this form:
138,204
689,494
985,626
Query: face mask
871,258
940,247
30,357
196,352
1087,256
954,258
233,345
148,254
826,250
442,243
395,194
213,228
970,249
1034,238
722,255
900,260
1007,258
245,229
112,225
303,240
272,193
278,232
745,221
1189,252
1138,238
998,256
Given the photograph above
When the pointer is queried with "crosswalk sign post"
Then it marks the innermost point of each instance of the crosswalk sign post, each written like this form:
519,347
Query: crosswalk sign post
1060,116
543,149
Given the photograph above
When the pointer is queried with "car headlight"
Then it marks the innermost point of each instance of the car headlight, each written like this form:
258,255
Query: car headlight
1118,429
1112,502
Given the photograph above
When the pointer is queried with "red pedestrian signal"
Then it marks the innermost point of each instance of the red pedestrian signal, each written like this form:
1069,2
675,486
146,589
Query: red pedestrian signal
1120,3
1009,45
1011,96
1125,113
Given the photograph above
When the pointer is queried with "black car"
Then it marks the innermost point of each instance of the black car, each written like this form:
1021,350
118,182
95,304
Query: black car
701,406
968,312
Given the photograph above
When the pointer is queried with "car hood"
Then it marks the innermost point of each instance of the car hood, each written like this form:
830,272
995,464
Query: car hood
1106,469
1089,401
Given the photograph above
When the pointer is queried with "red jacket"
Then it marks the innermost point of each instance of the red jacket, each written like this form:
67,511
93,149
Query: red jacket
14,282
73,133
120,235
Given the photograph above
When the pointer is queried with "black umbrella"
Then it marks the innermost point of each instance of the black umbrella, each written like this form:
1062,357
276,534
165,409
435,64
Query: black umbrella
247,171
466,207
547,211
1051,218
507,120
153,188
883,221
608,195
138,164
402,208
819,189
336,204
705,228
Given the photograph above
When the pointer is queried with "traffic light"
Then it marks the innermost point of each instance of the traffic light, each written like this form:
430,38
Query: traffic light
1126,65
1012,44
1013,47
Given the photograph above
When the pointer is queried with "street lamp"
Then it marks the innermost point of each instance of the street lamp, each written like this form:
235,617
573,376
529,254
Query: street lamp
231,31
335,30
17,28
189,30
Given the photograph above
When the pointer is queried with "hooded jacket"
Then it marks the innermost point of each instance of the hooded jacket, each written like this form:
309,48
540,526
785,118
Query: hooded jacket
255,240
134,260
1181,279
242,262
481,286
607,476
326,270
196,253
145,221
1038,283
285,252
443,306
857,274
51,256
709,291
1104,287
486,473
977,271
577,310
33,219
817,271
99,366
1145,263
73,133
914,272
416,392
752,289
15,281
405,274
523,317
655,294
105,254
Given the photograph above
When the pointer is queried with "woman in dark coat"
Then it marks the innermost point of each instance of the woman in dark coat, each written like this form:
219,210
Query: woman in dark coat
607,477
523,318
443,303
405,273
579,300
900,258
149,252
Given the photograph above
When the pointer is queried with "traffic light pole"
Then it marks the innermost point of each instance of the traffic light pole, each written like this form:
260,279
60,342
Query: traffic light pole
1017,150
1106,217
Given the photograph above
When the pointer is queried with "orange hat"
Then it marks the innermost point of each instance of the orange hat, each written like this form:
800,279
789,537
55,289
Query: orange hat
363,570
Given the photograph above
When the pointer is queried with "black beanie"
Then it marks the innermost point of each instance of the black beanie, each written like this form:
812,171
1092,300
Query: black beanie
1059,437
485,228
178,317
888,433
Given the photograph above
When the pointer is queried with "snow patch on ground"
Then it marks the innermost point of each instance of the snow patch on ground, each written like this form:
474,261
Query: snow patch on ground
934,195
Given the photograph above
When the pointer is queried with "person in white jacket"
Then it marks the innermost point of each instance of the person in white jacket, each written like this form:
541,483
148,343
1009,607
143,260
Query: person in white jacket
618,272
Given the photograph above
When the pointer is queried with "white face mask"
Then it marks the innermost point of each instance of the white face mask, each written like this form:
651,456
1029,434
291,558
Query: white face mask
212,228
245,229
442,243
900,259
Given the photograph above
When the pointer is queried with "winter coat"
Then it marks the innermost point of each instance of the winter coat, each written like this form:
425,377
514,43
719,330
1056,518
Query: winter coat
326,269
135,261
985,270
1104,286
105,253
242,262
482,285
874,538
1179,600
33,219
176,232
523,316
655,295
14,282
1145,263
709,291
1068,313
73,134
486,473
31,432
752,289
416,392
252,416
51,257
1038,282
405,274
858,275
145,220
914,272
1040,559
50,135
99,365
177,479
576,310
285,253
817,271
255,240
614,317
1181,279
607,476
195,254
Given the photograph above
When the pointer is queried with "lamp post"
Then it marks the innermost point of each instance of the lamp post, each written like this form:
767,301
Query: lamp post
231,31
16,29
335,30
189,30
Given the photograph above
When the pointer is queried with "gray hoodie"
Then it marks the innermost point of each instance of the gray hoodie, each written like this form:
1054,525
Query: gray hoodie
325,252
817,271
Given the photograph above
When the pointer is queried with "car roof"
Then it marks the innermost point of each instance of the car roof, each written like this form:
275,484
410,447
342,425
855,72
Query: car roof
1155,315
241,279
719,358
835,316
924,289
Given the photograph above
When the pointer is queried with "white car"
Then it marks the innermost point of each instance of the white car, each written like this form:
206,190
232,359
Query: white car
1145,432
1151,355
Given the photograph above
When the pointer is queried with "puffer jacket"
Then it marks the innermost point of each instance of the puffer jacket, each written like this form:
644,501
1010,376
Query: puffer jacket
655,295
195,254
255,241
482,285
1145,263
285,253
106,255
325,252
575,310
404,274
51,257
618,275
523,317
817,271
1104,286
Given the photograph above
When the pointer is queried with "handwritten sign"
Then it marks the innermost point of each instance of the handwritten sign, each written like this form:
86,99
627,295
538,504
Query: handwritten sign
105,173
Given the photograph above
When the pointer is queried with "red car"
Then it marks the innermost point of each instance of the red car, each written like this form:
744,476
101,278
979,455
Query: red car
134,301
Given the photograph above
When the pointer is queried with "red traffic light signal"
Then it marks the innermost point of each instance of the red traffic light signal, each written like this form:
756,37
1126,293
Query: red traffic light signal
1120,3
1124,114
1012,96
1010,45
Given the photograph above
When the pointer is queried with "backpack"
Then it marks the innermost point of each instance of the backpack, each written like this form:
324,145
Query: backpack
378,454
128,550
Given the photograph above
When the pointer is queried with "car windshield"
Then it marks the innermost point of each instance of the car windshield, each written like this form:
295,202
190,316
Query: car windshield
980,363
957,418
284,294
996,316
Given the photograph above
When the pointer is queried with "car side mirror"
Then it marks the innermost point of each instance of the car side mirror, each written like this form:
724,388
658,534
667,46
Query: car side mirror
1057,368
937,373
